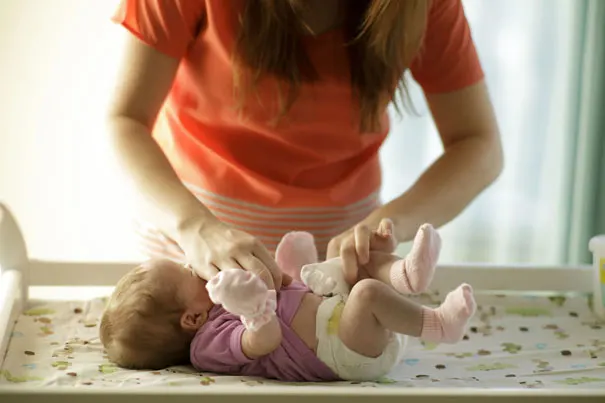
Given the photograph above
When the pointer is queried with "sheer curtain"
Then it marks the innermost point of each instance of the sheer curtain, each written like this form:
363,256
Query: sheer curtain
57,173
530,56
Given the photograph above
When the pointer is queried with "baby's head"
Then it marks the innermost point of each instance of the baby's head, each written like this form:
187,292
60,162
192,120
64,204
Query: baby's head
153,314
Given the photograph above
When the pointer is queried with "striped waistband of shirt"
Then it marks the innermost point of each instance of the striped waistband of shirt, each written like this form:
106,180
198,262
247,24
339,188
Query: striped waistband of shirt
269,224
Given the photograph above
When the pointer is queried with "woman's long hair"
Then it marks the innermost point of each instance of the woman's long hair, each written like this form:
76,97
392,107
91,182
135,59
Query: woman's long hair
383,36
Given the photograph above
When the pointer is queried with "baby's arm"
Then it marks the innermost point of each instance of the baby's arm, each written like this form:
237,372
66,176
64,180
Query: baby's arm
246,295
262,341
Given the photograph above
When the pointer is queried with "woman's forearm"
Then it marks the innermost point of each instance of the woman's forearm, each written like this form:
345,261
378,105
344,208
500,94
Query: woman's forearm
163,198
447,187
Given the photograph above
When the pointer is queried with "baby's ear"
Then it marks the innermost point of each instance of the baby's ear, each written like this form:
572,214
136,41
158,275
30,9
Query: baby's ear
295,250
192,321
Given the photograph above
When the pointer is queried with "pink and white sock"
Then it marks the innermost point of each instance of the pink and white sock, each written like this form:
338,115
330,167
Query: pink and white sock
295,250
448,323
414,274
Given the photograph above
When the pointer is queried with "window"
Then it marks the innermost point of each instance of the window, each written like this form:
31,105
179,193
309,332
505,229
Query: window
529,53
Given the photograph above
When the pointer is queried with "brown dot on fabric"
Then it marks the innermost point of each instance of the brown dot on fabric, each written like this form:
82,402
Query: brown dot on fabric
29,353
511,376
566,353
422,376
524,329
78,310
573,314
473,329
440,366
87,383
484,352
465,337
72,374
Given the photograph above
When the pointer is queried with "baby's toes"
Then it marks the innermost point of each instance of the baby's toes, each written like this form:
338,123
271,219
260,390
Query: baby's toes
467,300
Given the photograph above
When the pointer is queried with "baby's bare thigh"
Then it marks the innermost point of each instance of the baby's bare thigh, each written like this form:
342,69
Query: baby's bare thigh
359,329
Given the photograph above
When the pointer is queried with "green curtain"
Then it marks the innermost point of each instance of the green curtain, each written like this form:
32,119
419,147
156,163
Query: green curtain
586,216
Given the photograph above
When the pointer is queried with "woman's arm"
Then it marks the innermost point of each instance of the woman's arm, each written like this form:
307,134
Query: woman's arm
146,76
145,79
471,161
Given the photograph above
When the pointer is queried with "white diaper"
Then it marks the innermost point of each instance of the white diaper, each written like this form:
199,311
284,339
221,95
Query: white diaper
346,363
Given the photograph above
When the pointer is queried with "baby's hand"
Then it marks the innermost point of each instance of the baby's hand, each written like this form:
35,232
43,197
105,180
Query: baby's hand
242,293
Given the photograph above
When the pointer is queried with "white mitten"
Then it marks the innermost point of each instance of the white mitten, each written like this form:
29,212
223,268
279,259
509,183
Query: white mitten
244,294
326,278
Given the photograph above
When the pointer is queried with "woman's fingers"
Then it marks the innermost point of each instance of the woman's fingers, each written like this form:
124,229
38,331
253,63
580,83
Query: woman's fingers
362,244
269,263
383,239
206,272
348,254
385,228
254,265
333,248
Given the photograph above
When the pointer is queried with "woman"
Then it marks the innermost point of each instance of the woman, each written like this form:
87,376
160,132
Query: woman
241,120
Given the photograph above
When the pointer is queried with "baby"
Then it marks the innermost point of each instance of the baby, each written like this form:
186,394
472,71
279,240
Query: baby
320,329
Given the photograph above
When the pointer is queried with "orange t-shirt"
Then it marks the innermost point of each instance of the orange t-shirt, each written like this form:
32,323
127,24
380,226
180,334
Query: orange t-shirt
314,170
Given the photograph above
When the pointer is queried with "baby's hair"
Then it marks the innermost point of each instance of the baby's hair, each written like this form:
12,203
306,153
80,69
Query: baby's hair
140,327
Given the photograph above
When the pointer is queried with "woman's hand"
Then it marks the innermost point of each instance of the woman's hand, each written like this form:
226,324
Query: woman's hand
213,246
354,246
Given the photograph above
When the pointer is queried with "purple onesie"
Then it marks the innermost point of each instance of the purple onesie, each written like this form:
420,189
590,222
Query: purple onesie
217,346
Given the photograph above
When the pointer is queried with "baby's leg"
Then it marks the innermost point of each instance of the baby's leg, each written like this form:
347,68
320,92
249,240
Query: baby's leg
373,309
409,275
414,273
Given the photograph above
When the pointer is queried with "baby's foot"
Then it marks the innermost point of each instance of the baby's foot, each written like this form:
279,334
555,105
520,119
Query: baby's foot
447,324
325,278
455,312
295,250
414,274
319,283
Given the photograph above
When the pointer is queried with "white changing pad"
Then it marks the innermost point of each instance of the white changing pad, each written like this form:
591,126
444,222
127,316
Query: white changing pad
514,342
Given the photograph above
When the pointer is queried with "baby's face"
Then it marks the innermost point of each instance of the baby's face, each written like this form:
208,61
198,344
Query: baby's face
191,291
191,288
